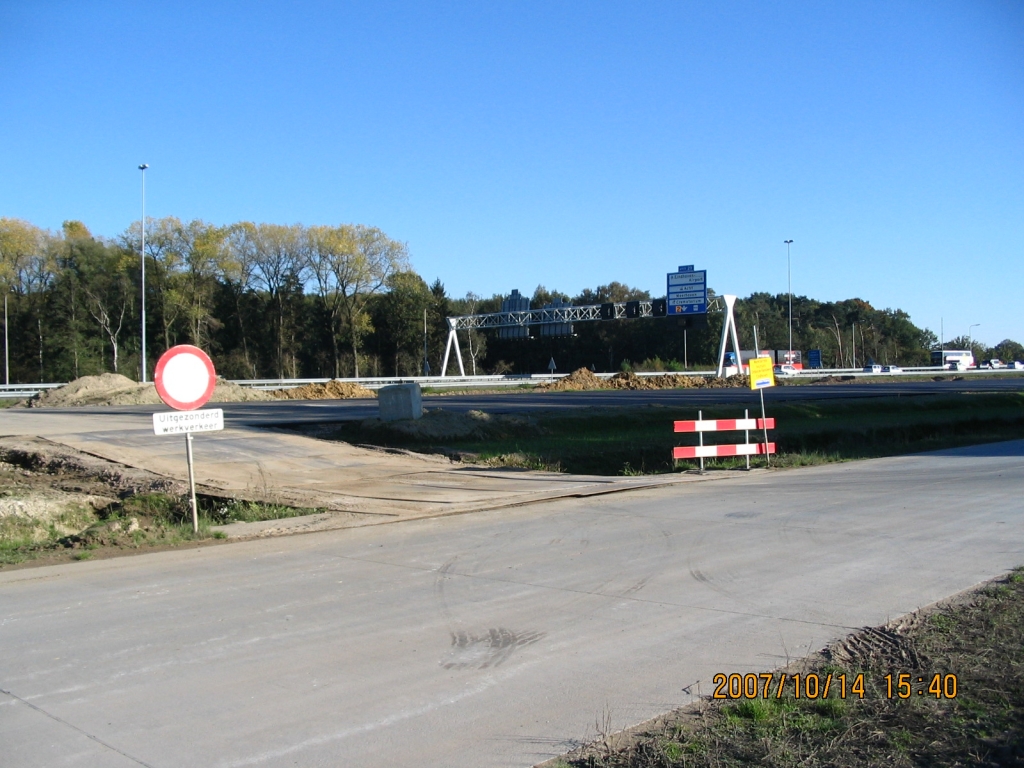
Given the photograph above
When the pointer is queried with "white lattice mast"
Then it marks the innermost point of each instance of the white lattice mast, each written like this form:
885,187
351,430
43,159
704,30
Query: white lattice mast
728,331
453,340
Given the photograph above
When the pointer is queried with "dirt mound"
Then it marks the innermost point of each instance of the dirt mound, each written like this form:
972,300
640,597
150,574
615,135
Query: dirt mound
583,379
717,382
115,389
629,380
331,390
88,390
681,381
439,424
577,381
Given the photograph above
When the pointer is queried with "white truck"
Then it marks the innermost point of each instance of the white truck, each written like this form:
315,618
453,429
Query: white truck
953,359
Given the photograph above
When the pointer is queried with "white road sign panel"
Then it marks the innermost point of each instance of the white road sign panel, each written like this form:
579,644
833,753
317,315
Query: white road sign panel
180,422
686,278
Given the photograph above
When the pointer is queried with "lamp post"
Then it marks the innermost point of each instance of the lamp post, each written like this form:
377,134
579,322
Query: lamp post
426,362
789,274
7,354
143,168
970,338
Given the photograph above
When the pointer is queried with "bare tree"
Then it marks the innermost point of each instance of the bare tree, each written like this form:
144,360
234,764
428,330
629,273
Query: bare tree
278,264
239,273
349,264
477,341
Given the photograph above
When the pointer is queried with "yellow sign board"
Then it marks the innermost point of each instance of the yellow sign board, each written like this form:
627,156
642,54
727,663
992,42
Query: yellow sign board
762,373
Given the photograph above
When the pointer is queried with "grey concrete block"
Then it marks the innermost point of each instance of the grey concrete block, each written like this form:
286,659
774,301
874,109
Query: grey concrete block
400,401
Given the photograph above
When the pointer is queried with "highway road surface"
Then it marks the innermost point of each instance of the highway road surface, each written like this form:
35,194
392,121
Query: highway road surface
494,639
262,414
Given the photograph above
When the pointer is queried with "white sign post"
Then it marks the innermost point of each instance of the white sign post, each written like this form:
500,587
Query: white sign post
186,422
185,379
762,374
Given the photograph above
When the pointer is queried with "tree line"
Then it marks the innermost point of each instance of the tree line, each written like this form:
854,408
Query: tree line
297,301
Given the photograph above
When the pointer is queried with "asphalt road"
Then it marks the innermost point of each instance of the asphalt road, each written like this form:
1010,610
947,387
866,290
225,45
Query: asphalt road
315,411
494,639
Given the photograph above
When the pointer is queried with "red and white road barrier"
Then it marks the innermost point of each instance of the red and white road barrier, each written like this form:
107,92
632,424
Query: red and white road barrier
723,425
713,451
746,448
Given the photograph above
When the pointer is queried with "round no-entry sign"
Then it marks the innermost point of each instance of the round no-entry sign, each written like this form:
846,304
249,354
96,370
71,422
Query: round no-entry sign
184,377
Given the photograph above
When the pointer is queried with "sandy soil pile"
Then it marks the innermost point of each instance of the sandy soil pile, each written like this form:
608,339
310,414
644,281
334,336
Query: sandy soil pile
741,380
577,381
115,389
438,424
332,390
583,379
629,380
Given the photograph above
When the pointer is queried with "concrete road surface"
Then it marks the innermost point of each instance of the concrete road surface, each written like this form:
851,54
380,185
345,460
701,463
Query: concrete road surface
356,486
495,639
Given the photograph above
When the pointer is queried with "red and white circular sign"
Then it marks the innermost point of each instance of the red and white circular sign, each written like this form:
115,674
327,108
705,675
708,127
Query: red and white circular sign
184,377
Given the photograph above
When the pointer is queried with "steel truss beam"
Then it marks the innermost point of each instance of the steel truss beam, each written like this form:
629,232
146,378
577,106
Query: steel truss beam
529,317
541,316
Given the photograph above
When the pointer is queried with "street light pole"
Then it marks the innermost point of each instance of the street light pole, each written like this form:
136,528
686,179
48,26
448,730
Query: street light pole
7,354
143,168
426,362
789,274
970,338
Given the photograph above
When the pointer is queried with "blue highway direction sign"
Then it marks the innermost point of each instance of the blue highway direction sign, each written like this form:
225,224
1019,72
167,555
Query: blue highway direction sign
687,291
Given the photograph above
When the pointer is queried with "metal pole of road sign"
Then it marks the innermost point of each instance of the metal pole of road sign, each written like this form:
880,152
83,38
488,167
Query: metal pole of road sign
764,423
191,483
143,168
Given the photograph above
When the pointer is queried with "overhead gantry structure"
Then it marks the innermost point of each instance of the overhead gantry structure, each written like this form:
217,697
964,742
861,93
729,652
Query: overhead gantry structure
554,317
559,320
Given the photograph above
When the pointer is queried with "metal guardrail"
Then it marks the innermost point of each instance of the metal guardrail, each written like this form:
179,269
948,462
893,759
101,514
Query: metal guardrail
21,391
376,382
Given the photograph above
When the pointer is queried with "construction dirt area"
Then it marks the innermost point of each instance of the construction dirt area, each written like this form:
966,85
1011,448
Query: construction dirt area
66,474
115,389
108,486
583,380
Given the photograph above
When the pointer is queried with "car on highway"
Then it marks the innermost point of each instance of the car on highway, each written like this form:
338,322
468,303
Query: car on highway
1017,365
785,370
872,369
891,369
956,365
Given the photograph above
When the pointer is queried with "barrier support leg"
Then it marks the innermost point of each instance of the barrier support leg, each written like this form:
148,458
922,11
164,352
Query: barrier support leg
746,433
700,437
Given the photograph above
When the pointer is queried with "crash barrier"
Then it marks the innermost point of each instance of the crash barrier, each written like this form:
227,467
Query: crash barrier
746,448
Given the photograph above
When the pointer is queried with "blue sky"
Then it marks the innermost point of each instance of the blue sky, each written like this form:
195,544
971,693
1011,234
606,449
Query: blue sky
512,144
